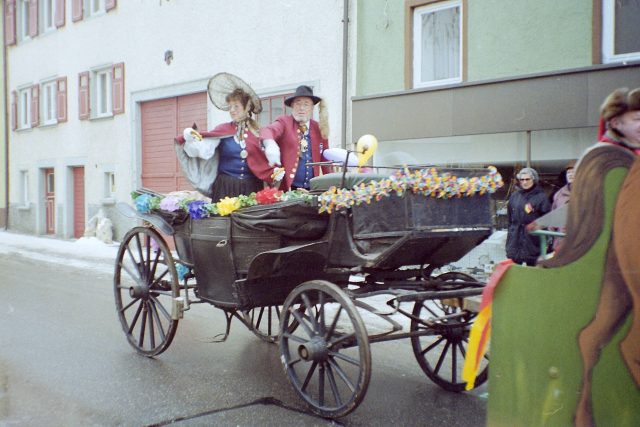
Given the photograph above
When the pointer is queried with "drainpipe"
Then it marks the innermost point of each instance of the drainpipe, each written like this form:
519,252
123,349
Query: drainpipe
345,58
528,148
7,121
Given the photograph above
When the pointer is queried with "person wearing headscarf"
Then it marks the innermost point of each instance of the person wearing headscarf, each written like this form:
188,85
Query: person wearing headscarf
525,205
226,161
296,140
561,198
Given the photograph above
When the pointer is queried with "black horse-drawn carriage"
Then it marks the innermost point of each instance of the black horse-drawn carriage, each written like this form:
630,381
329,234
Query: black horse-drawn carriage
300,278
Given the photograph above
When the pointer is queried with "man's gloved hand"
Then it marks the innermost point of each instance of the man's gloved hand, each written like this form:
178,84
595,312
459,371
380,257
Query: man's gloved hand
272,151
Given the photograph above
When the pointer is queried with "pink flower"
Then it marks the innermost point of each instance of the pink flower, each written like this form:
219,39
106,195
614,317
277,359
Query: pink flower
170,204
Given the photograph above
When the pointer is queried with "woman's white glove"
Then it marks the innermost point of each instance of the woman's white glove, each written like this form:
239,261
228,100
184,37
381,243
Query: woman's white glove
272,151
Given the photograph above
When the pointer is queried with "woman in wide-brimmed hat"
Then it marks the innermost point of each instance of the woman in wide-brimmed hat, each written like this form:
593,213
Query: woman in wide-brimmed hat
235,163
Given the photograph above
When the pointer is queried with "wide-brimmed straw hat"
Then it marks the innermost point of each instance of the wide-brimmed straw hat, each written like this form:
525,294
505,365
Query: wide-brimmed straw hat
223,84
302,91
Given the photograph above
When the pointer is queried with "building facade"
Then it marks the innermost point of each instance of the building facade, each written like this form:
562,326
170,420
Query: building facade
463,83
98,89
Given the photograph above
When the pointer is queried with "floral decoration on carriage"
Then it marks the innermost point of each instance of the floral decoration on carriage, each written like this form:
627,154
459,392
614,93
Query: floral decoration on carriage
428,182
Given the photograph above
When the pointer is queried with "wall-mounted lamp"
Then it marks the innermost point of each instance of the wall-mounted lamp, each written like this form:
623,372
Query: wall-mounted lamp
168,56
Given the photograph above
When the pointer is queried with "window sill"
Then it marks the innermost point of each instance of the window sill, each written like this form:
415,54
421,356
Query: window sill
109,201
24,208
48,125
98,118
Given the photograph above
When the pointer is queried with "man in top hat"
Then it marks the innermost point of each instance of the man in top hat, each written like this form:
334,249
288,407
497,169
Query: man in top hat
295,140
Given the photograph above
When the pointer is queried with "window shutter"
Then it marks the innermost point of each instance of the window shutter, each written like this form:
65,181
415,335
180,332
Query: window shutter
33,18
10,22
117,88
35,105
14,110
83,95
76,10
110,4
60,13
61,99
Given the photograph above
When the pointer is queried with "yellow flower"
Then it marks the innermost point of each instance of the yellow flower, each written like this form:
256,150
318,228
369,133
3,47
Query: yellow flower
228,205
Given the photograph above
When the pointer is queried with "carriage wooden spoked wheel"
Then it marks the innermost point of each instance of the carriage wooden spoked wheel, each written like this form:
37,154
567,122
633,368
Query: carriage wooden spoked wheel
146,288
325,348
264,322
445,324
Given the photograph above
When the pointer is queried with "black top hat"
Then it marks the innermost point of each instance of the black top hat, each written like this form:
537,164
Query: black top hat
302,91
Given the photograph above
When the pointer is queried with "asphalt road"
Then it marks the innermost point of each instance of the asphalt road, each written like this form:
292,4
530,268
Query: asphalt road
64,361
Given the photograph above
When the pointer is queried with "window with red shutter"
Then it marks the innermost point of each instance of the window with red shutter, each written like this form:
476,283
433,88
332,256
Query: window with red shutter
35,105
10,22
83,95
76,10
118,88
60,13
61,99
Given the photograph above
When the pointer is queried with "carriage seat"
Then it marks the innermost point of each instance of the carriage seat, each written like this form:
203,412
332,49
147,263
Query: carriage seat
351,179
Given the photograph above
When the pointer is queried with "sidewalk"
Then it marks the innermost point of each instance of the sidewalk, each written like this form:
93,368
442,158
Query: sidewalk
86,252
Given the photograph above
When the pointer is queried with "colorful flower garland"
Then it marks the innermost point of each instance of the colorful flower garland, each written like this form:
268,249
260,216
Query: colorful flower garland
428,182
198,209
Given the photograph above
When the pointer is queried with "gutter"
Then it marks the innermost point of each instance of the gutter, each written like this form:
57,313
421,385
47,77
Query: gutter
345,58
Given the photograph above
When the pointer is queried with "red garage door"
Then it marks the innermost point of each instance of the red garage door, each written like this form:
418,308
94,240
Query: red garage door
162,121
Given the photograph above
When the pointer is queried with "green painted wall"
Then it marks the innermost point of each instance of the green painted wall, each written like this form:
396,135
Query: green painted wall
504,39
380,51
510,38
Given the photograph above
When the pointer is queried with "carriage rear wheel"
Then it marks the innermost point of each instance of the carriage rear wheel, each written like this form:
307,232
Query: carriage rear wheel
441,352
264,322
145,285
325,348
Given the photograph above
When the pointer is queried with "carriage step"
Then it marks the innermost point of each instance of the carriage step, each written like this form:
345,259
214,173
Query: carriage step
177,308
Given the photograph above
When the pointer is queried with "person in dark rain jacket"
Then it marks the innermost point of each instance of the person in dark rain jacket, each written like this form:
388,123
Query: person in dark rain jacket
524,207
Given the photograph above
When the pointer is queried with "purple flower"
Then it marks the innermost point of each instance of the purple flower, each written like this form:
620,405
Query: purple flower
197,209
170,204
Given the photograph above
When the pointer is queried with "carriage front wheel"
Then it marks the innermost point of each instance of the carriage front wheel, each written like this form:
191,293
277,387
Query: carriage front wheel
325,348
146,285
441,348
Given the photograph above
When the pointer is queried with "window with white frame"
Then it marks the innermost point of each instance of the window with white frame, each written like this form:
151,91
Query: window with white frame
109,184
620,30
95,7
48,15
437,43
272,107
23,19
102,105
24,108
24,188
48,97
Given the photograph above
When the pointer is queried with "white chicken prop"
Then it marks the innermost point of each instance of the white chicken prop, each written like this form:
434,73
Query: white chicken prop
198,159
197,146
